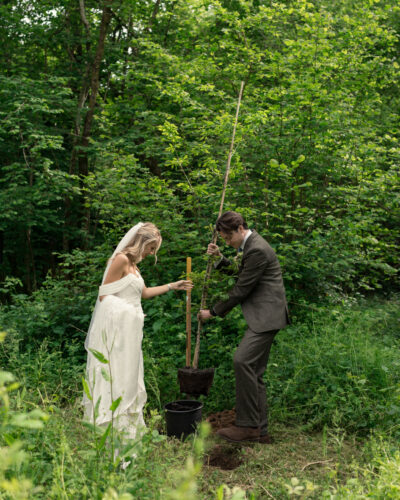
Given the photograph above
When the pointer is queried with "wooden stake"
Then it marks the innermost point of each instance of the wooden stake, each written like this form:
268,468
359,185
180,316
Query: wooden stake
188,314
215,234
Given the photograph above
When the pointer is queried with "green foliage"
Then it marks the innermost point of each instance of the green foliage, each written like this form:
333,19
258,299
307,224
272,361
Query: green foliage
12,455
315,170
315,167
335,370
339,368
379,478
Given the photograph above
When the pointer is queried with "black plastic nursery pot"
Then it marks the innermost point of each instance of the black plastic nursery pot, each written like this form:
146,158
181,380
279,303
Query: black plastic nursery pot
182,417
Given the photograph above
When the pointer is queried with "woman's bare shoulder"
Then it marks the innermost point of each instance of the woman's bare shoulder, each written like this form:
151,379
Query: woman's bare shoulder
118,268
121,259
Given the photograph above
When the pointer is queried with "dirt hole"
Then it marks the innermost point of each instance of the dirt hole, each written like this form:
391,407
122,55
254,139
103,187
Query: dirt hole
224,456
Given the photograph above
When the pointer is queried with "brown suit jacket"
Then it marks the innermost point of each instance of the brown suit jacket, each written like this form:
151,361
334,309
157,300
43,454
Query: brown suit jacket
259,288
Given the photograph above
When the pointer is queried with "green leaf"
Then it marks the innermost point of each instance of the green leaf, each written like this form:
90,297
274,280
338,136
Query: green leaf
104,436
96,408
115,403
274,163
99,356
105,374
86,389
6,377
32,420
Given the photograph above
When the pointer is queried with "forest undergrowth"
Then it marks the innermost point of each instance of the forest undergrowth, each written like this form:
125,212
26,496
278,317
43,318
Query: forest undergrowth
334,392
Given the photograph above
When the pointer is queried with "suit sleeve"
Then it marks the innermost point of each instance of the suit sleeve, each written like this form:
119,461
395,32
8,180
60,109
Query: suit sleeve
254,265
224,265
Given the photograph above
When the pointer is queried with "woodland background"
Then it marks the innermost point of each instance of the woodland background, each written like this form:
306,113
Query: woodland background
115,112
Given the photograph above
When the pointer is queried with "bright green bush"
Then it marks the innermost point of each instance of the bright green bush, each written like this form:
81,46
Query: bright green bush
342,367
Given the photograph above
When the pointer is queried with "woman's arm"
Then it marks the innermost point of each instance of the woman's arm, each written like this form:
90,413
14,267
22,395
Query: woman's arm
148,293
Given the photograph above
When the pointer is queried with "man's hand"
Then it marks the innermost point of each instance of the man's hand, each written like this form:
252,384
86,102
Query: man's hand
213,249
204,314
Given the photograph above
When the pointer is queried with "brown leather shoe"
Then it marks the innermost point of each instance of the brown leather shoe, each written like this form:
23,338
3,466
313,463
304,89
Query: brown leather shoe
237,434
265,439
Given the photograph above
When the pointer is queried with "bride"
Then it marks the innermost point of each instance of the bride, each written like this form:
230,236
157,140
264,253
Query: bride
116,332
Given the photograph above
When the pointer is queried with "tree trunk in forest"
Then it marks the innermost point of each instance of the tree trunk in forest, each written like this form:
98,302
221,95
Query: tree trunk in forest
83,160
94,87
91,82
154,14
2,273
31,284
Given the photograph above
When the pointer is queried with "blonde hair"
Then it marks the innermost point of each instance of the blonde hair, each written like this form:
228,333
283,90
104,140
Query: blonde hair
145,235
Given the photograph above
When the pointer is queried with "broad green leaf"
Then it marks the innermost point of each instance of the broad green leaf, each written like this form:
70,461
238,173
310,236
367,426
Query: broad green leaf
273,163
115,403
32,420
104,436
86,389
97,406
99,356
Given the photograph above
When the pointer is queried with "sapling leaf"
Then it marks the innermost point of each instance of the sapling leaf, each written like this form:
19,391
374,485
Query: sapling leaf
99,356
90,426
8,438
104,436
105,374
115,403
96,408
86,389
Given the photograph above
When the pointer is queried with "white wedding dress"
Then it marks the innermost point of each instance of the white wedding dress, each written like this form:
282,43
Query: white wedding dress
117,333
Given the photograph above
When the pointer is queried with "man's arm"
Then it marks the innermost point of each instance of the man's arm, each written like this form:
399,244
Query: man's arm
222,262
254,265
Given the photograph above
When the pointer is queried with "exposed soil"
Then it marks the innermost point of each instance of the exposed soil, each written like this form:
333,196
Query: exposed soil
221,419
194,381
224,456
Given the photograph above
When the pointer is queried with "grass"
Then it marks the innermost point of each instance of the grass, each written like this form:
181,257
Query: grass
61,465
320,458
335,405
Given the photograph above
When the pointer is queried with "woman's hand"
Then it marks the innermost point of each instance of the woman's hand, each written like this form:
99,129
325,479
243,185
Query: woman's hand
213,249
182,285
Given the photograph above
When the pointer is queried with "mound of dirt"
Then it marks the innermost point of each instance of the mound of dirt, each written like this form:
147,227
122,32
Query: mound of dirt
221,419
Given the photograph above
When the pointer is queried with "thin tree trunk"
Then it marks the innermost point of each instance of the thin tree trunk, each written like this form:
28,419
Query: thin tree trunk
2,273
90,85
29,260
154,14
94,86
266,199
30,263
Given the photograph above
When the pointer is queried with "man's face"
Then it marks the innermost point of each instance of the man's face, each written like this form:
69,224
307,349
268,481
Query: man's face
235,238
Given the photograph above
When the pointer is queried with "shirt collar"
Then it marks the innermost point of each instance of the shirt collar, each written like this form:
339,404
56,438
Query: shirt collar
240,249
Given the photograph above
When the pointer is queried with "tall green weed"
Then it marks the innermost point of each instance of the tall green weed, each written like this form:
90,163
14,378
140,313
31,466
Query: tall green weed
339,367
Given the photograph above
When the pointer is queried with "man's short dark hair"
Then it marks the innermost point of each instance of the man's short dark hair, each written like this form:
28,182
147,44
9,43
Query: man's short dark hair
230,221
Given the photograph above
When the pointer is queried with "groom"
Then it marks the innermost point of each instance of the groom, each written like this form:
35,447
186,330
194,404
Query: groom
260,292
